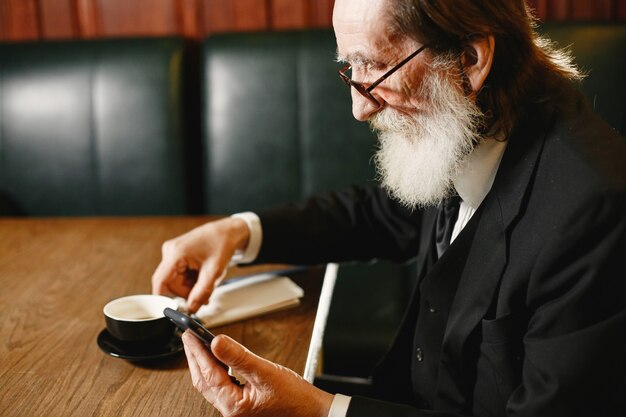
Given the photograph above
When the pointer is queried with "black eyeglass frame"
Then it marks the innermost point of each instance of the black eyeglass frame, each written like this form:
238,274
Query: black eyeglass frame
366,91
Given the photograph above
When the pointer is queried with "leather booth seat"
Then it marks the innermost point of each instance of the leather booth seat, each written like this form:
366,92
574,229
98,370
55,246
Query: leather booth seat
278,126
243,121
277,121
93,127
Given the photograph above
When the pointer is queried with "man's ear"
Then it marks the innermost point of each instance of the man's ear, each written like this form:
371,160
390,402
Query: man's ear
477,59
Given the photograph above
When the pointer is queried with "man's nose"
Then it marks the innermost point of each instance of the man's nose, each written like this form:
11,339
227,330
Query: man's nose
362,108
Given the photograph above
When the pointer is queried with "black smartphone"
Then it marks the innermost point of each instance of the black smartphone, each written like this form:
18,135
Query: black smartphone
184,322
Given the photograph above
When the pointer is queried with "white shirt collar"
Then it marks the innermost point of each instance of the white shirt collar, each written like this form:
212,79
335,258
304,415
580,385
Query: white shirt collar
479,170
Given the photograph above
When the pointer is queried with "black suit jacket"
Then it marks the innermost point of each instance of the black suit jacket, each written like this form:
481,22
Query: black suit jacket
525,314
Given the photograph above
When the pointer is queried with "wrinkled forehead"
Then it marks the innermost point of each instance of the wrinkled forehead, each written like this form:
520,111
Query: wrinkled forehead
355,13
361,26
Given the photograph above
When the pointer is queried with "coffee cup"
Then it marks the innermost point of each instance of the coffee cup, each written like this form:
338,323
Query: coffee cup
138,320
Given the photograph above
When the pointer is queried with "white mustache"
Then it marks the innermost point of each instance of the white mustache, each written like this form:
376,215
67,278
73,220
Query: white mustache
421,154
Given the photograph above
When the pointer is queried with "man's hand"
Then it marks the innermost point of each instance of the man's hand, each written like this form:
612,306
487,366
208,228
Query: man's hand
271,390
193,262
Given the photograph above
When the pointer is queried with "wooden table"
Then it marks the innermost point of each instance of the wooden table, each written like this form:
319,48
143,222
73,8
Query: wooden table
55,277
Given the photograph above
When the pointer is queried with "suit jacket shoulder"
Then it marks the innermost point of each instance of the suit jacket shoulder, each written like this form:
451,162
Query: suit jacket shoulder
539,311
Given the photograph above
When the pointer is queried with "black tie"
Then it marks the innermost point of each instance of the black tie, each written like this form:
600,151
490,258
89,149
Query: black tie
447,214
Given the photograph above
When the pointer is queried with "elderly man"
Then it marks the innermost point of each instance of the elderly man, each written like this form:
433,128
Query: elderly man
498,177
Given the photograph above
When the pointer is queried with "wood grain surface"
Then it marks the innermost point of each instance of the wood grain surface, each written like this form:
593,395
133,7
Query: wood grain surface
55,277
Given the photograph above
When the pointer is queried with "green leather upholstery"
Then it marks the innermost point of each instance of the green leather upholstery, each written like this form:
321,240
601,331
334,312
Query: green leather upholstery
111,127
92,127
277,121
599,49
278,127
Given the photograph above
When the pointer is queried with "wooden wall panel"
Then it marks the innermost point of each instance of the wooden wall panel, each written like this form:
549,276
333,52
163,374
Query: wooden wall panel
296,14
189,15
568,10
235,15
250,14
138,17
2,24
20,20
620,9
557,10
57,19
323,12
217,16
290,14
597,9
88,19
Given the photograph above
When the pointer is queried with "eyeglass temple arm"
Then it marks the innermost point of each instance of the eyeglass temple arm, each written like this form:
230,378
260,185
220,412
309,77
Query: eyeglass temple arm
394,69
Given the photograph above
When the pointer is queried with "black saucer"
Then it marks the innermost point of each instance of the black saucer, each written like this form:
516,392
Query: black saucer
118,349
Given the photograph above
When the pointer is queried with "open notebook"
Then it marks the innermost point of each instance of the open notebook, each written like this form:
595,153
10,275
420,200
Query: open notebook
247,298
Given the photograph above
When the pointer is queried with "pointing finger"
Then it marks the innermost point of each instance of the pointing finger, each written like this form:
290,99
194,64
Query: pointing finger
165,272
203,289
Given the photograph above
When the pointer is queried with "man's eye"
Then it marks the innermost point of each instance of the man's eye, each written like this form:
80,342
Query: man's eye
367,67
375,66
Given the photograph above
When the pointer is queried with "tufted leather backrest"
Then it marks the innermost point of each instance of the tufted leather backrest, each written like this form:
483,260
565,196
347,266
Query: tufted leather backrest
277,125
277,121
92,127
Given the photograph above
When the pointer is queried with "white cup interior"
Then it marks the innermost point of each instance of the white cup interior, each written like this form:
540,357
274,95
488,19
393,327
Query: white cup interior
141,307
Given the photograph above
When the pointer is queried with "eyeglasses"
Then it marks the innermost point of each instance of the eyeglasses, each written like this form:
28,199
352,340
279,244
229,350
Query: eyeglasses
366,91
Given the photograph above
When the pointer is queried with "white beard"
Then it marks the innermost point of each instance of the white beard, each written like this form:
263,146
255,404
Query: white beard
420,154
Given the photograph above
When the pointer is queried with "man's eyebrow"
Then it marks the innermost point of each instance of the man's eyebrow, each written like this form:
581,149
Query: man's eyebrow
355,58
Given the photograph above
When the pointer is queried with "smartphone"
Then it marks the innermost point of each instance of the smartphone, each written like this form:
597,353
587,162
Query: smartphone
184,322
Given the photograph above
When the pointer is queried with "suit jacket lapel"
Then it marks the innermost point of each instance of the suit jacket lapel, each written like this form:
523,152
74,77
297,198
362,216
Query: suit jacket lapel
487,256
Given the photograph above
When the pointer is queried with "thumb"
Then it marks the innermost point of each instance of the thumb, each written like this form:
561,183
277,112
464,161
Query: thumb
240,359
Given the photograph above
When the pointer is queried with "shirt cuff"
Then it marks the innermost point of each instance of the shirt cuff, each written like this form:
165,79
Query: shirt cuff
339,406
254,243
